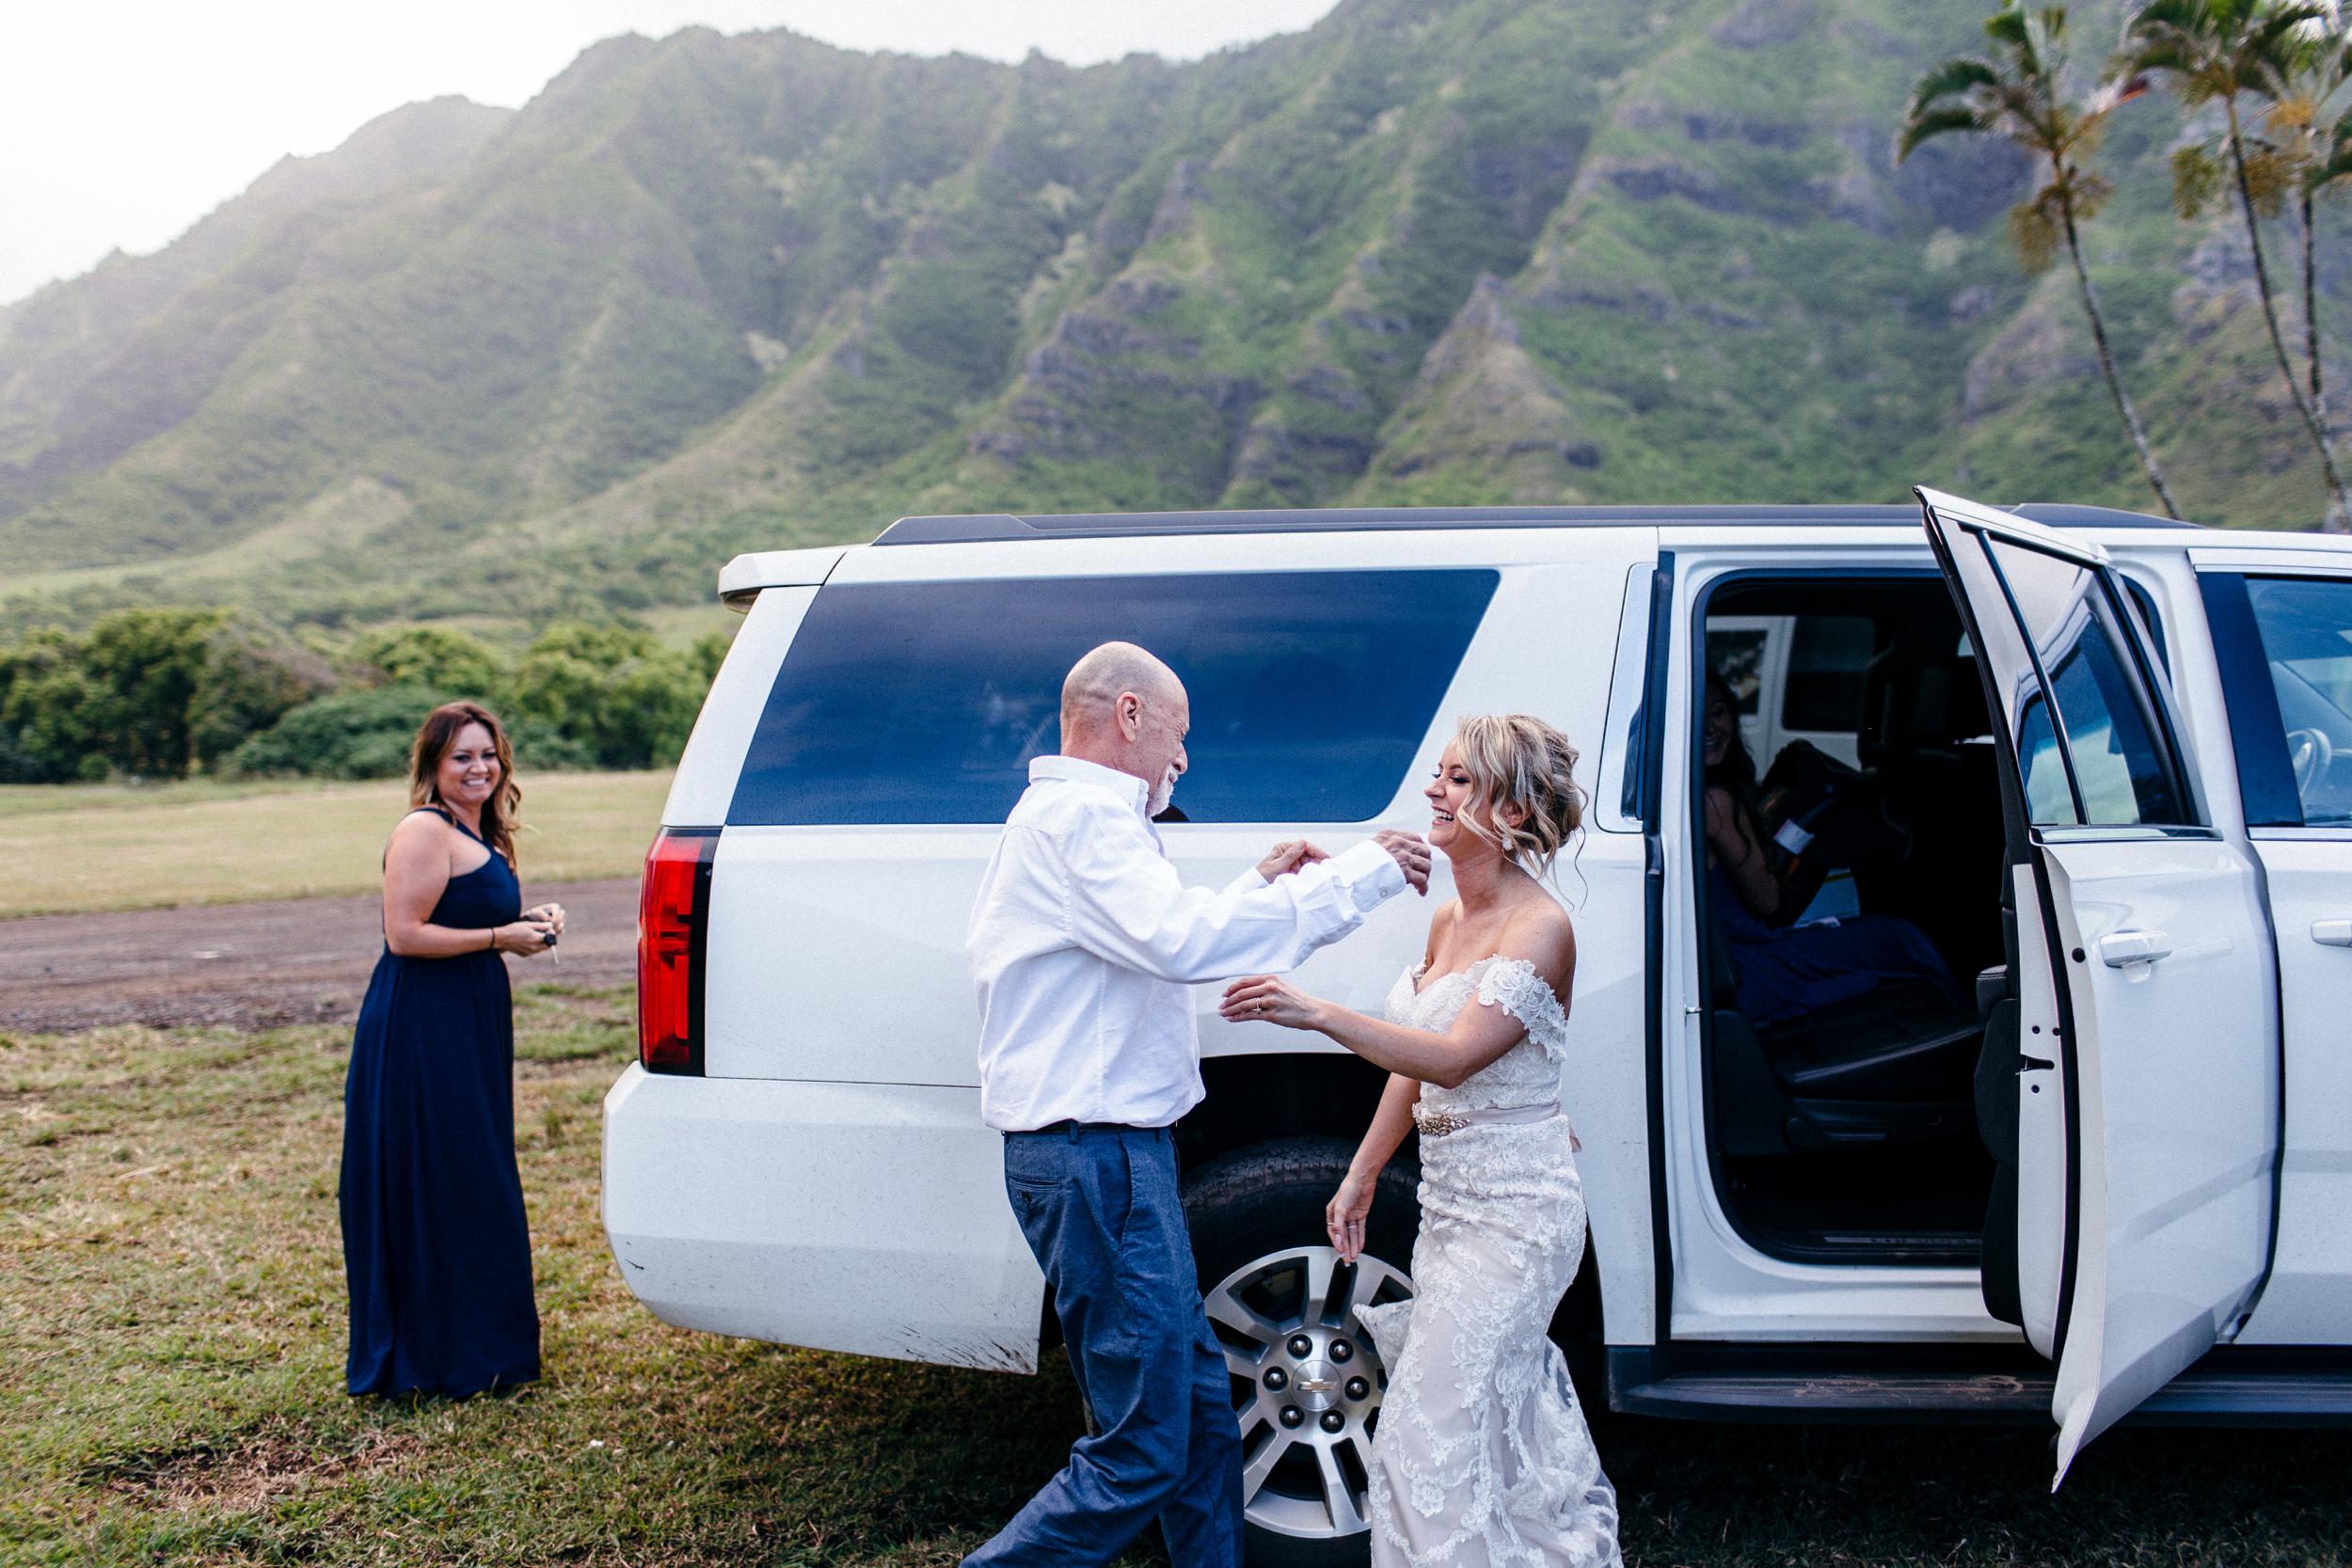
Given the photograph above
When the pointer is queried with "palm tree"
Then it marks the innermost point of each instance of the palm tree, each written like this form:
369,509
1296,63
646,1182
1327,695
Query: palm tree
2334,167
2226,52
2019,95
2314,132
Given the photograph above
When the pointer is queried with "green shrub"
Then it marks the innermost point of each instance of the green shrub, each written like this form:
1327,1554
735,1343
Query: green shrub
615,692
366,733
248,675
432,657
155,692
348,734
166,692
51,716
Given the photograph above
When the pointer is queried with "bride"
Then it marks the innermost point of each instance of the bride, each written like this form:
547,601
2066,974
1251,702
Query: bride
1482,1458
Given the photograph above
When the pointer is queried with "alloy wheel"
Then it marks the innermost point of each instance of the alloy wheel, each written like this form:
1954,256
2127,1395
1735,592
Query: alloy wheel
1306,1383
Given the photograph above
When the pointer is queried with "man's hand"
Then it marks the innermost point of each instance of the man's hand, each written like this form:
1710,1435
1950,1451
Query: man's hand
1410,854
1287,857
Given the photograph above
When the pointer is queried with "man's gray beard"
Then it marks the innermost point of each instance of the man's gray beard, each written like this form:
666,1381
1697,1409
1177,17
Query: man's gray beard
1162,793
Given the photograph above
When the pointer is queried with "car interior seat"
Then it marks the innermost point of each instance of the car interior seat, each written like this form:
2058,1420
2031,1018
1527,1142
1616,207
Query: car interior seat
1895,1065
1927,739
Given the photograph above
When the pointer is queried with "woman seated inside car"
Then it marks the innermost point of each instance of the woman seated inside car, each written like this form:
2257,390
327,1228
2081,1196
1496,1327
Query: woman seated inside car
1790,971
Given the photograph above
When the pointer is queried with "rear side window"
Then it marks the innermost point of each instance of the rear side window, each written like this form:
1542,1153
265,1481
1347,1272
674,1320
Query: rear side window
1828,656
925,702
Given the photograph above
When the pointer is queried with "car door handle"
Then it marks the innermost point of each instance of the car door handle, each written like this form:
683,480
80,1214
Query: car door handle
2332,933
2122,949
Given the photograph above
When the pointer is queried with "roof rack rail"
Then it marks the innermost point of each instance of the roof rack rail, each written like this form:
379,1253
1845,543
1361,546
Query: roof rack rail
994,527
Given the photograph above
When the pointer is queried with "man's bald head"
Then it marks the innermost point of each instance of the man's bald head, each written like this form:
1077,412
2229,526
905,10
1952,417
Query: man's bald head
1091,692
1122,709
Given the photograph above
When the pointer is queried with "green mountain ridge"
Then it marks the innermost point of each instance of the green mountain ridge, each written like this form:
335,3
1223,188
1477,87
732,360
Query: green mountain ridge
707,293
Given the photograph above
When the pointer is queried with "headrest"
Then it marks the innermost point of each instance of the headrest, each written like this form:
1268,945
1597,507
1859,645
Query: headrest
1949,704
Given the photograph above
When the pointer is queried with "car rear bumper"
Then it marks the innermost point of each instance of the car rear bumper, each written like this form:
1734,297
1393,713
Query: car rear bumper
861,1217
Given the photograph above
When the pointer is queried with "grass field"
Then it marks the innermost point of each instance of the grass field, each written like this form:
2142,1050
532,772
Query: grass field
116,846
171,1323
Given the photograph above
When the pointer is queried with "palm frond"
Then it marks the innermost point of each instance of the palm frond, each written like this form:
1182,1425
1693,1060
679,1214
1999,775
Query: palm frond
2186,16
2305,18
2154,57
2007,27
1951,78
1935,122
2337,165
2084,136
2275,47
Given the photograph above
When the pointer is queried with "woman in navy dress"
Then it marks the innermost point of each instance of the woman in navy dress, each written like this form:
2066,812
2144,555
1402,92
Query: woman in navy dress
1786,972
435,1248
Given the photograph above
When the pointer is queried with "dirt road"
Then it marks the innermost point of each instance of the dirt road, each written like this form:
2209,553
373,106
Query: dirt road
256,965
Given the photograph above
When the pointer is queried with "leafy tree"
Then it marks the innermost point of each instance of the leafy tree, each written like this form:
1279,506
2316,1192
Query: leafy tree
151,692
2022,95
51,712
435,657
366,732
183,688
347,734
250,674
148,662
614,690
2234,52
702,659
162,691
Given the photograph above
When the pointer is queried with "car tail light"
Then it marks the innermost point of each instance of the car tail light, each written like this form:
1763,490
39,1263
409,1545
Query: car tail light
673,928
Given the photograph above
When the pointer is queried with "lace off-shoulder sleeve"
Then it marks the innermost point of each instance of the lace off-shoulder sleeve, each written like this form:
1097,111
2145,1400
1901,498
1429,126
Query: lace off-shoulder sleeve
1516,987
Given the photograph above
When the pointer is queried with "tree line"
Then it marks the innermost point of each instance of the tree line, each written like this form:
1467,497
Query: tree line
165,693
2275,70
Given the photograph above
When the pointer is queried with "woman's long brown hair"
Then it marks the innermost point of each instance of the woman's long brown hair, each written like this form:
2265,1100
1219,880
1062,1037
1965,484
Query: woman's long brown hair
1735,773
501,811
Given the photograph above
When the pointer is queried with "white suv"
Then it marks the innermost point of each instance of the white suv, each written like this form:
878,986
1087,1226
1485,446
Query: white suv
2103,763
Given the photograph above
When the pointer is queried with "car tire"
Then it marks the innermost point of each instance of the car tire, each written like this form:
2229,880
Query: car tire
1256,1216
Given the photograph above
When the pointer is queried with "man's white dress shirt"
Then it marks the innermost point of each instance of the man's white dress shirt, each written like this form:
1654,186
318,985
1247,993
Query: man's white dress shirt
1083,942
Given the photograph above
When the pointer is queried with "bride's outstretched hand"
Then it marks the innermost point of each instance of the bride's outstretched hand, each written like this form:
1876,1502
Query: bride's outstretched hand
1344,1216
1289,855
1268,999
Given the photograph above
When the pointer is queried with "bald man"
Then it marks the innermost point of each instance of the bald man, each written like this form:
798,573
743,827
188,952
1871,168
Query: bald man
1082,943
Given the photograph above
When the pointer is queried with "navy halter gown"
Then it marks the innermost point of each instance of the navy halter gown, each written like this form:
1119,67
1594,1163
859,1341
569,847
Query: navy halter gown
436,1245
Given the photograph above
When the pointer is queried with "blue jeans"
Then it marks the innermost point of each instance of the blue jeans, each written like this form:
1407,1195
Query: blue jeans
1100,1209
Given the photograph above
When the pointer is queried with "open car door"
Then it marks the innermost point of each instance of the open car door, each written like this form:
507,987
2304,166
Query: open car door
2145,1084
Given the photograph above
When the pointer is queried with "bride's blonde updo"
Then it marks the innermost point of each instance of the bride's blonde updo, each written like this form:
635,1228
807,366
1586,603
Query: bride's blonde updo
1516,759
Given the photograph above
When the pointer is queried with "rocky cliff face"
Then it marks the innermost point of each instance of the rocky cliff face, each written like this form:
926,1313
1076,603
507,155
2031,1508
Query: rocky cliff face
707,293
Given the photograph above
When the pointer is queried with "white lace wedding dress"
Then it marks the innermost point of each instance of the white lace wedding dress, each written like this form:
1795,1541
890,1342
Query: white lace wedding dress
1482,1458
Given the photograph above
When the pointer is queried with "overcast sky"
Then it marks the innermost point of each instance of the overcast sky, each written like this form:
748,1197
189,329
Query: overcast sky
123,121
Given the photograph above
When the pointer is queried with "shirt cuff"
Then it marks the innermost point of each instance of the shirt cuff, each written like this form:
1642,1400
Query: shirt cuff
1370,874
1248,881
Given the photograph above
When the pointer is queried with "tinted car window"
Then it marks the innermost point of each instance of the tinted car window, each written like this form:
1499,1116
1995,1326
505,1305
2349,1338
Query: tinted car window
2121,773
925,702
2306,628
1827,658
1737,655
2048,798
